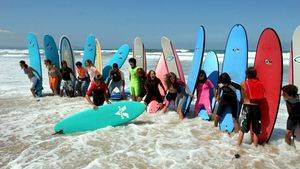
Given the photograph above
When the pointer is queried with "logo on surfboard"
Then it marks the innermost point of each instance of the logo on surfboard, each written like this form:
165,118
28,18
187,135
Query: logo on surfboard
121,112
297,59
170,58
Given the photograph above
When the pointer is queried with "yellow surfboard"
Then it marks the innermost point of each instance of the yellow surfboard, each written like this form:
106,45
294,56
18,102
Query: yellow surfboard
98,62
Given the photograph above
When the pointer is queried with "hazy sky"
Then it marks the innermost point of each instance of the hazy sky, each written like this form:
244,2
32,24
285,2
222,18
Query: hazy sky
116,22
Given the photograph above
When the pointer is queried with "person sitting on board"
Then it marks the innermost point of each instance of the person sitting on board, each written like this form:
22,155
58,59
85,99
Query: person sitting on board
291,97
226,97
203,87
252,91
91,69
33,79
116,80
66,84
82,79
142,76
152,91
135,87
99,90
177,91
54,76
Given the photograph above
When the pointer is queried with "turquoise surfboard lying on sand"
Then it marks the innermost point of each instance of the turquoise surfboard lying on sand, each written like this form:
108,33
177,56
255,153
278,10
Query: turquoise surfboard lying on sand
114,114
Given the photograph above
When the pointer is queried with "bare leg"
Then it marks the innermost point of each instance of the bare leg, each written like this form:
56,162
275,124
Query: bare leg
180,113
32,91
255,139
240,138
288,136
216,120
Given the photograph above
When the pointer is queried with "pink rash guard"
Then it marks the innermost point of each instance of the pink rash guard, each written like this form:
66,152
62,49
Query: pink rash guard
203,96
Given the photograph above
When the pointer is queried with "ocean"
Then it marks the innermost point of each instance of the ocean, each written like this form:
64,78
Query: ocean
150,141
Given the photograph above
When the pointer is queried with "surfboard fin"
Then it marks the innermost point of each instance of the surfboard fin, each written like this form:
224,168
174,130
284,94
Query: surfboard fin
58,132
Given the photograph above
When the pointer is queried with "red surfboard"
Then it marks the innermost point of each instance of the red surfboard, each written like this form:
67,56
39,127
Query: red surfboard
268,64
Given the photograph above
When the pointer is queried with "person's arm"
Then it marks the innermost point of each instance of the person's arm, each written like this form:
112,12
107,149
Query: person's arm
235,85
217,93
243,92
33,70
210,84
73,73
88,94
106,95
162,86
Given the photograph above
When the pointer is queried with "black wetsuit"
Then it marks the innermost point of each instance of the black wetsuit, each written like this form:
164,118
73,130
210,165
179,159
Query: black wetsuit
293,107
153,91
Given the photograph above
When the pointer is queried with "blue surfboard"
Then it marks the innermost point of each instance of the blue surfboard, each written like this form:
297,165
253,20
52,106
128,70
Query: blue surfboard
51,51
235,64
195,66
119,57
115,114
35,61
89,50
66,52
211,68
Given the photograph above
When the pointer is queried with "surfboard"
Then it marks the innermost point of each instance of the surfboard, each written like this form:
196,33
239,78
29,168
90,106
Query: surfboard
51,51
211,68
171,58
268,64
89,50
66,52
115,114
35,61
195,67
118,96
139,53
235,64
98,64
161,70
119,57
295,60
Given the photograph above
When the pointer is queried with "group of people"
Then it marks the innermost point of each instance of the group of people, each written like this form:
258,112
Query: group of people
147,87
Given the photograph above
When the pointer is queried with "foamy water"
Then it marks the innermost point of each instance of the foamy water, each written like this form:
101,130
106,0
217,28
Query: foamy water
150,141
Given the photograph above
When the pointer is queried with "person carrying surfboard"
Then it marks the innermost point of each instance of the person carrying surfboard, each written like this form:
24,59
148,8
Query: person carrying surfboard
82,79
54,76
99,90
291,97
226,97
116,80
33,79
252,96
135,85
177,92
203,87
152,91
66,84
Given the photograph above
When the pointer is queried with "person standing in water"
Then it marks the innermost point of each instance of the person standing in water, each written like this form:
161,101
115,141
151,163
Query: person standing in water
116,80
203,87
66,84
54,77
291,97
152,91
177,92
135,86
33,79
252,95
142,76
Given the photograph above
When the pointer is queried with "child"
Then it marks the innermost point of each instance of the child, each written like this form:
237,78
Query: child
116,80
135,86
66,84
152,91
226,96
82,79
252,95
54,76
99,90
203,87
177,91
33,79
290,95
142,76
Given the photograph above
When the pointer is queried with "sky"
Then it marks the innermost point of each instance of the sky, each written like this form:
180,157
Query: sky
115,22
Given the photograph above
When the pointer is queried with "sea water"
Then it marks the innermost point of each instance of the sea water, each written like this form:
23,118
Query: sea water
150,141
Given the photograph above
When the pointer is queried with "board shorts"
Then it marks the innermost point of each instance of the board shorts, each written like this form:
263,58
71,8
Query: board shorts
180,101
66,85
251,116
113,85
292,124
33,83
135,89
53,82
81,87
228,102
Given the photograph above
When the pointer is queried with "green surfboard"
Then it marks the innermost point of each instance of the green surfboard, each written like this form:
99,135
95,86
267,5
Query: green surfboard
114,114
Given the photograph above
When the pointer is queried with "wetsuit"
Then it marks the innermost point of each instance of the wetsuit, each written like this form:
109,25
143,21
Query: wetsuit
135,86
293,107
153,91
116,81
99,93
203,96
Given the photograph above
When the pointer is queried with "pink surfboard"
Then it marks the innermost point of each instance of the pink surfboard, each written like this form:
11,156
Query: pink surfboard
268,64
161,70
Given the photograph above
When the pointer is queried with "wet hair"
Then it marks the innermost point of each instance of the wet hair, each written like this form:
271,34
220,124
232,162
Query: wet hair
148,75
78,64
89,61
132,60
290,90
168,79
202,72
251,73
22,62
224,78
48,61
141,73
64,62
115,66
98,78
